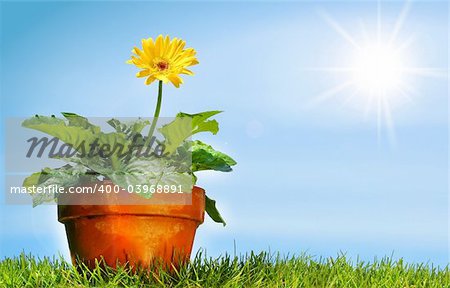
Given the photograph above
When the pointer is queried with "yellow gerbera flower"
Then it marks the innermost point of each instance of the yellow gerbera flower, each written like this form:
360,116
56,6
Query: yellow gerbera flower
163,59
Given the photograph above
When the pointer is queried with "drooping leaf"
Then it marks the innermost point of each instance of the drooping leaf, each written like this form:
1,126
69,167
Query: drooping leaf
204,157
210,207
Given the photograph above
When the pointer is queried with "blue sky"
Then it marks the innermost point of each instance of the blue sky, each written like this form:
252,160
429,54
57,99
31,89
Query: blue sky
312,176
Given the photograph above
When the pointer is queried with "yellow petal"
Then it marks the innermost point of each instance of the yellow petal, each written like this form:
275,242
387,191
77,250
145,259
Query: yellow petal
187,72
158,45
143,73
172,48
150,80
178,47
137,51
135,61
175,79
149,47
166,45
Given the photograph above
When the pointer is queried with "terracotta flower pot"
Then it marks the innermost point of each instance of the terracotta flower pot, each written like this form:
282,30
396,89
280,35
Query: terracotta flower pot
135,234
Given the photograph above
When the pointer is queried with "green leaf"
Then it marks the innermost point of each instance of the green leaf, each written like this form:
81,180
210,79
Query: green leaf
32,180
76,136
185,125
80,121
78,132
113,139
65,176
204,157
149,171
129,128
97,164
138,125
199,123
212,211
174,169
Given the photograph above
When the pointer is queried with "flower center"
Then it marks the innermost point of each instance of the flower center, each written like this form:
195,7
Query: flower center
162,65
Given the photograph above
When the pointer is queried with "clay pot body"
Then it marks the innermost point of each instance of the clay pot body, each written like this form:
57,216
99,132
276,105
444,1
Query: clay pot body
138,235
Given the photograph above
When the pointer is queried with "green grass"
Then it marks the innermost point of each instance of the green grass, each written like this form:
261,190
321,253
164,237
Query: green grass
262,270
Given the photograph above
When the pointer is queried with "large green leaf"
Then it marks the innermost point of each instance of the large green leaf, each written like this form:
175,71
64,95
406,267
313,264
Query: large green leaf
210,207
185,125
78,132
76,136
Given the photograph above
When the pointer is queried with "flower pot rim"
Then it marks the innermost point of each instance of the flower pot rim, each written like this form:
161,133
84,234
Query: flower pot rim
194,211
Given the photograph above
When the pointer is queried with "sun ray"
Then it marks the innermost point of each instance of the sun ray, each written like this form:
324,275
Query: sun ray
399,22
378,21
349,98
339,29
427,72
364,32
405,44
421,71
330,69
406,92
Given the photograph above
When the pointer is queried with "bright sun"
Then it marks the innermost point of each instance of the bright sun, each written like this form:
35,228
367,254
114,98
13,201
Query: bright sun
378,69
378,72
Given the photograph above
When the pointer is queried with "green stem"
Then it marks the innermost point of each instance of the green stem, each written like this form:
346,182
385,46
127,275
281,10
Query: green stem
156,115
